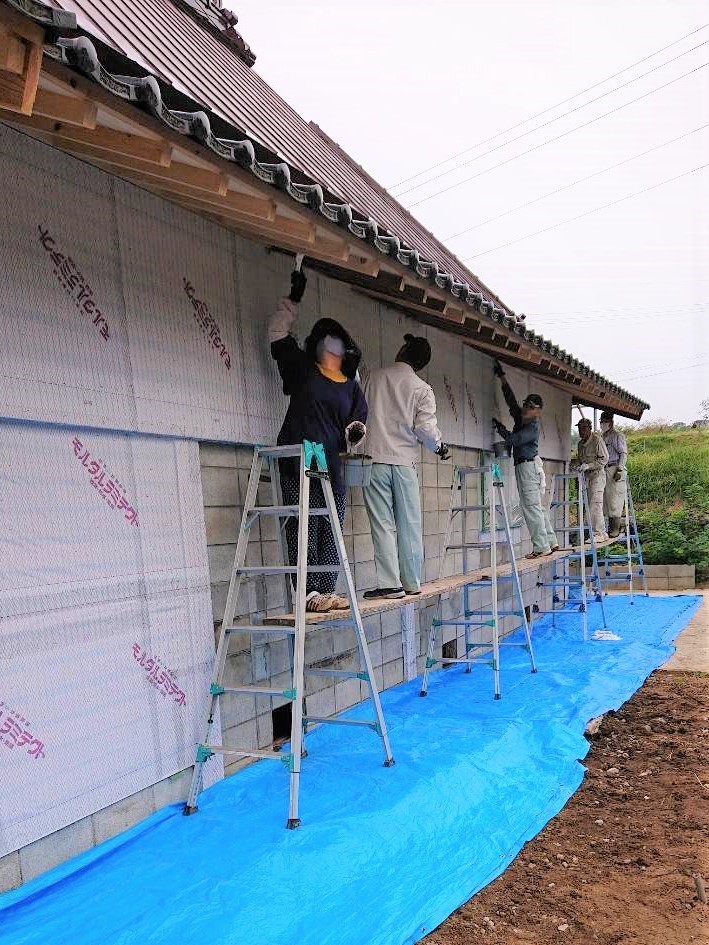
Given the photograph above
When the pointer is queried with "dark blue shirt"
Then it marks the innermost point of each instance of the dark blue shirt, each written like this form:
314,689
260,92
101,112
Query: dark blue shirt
524,438
320,409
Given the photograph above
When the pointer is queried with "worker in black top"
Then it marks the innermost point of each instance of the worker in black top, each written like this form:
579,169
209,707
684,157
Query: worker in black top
326,406
529,469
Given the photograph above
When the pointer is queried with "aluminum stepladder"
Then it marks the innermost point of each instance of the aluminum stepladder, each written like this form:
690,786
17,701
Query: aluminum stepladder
588,578
633,550
293,624
495,506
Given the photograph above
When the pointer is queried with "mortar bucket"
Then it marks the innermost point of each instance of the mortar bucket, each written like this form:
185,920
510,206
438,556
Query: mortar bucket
358,468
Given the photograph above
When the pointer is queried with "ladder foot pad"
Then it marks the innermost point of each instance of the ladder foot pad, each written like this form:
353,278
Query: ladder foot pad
293,822
389,763
187,810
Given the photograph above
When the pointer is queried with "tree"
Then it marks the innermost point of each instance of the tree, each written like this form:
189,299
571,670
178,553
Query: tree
704,410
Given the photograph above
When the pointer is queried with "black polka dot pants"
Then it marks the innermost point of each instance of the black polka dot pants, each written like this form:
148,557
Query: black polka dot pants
321,542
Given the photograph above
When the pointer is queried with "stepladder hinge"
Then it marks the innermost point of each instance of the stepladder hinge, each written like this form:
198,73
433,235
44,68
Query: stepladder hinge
363,676
215,690
430,661
290,694
204,753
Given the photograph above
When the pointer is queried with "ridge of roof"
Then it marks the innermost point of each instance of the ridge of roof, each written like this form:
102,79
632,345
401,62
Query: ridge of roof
80,52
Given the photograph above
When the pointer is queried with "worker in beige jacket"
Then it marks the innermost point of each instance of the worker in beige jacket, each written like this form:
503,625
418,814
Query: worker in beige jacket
591,461
402,414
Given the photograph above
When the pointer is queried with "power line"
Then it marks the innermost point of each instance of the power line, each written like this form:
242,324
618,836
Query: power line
677,367
564,134
581,180
588,212
551,121
549,109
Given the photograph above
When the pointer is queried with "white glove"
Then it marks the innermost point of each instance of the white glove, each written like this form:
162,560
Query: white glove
583,467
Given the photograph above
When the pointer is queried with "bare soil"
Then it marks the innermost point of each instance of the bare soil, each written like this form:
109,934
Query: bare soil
617,865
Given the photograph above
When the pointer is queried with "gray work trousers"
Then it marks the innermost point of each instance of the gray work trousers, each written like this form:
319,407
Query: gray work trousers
531,486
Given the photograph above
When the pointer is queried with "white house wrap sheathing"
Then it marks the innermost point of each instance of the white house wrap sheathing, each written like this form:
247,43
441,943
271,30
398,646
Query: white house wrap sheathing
106,638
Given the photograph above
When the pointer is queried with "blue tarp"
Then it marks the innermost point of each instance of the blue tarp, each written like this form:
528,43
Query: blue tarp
384,854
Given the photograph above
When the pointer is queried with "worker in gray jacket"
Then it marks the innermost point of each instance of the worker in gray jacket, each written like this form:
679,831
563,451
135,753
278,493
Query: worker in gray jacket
523,440
616,474
591,461
402,414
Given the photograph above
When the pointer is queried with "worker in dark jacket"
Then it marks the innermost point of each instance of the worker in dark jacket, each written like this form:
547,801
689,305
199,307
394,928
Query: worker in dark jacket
523,440
326,406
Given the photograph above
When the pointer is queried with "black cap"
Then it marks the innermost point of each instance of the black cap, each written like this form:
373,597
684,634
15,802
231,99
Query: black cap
583,422
532,400
417,351
607,415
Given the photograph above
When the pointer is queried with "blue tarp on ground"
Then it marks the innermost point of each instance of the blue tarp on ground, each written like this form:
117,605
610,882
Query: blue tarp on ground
384,854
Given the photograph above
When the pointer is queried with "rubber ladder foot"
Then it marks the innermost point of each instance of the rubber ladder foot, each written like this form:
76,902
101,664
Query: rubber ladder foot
389,763
497,695
293,822
304,754
187,810
423,693
535,670
468,669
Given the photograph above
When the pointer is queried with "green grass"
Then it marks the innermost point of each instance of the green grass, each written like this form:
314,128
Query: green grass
669,474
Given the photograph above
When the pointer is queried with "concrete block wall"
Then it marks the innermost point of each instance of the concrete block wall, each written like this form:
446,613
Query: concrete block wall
660,577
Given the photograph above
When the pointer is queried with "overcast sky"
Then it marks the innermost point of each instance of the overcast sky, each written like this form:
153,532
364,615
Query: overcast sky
404,85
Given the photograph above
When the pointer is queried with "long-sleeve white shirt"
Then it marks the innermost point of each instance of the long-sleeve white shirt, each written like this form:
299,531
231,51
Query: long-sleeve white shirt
402,414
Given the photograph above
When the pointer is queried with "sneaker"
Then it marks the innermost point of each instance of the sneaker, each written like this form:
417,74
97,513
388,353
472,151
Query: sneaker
389,593
538,554
555,548
338,603
316,603
413,593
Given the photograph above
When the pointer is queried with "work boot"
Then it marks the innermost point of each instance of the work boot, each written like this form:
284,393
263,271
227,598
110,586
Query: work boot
613,527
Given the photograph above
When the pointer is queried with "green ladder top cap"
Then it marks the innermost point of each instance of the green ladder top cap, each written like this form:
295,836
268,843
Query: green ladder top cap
216,690
289,694
430,661
203,753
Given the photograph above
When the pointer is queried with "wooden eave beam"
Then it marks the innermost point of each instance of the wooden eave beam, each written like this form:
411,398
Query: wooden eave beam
21,53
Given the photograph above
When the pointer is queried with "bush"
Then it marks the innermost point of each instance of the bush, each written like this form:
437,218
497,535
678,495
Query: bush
669,473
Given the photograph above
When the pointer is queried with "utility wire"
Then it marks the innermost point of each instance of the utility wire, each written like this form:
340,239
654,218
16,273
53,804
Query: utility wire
549,109
587,213
551,121
581,180
564,134
677,367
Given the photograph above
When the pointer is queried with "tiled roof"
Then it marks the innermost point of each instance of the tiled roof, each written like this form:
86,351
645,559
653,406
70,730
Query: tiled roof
200,88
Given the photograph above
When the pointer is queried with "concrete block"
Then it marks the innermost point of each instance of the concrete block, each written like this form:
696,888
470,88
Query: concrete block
365,575
38,857
122,815
658,584
375,652
679,584
217,454
172,790
356,497
363,548
347,693
220,560
236,709
219,593
322,703
222,524
220,486
391,648
429,475
444,499
430,498
238,669
244,458
347,524
360,521
319,646
10,873
445,474
686,571
344,641
372,627
391,623
242,736
393,673
264,729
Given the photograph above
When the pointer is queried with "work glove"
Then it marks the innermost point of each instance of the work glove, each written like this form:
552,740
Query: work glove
355,432
618,475
499,428
298,283
583,467
497,368
443,452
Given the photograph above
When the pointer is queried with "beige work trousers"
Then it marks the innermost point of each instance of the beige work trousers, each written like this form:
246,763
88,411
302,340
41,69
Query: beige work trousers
595,487
614,495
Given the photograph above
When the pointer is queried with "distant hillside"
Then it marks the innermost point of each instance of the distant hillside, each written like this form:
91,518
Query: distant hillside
669,476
